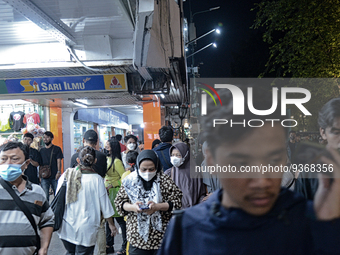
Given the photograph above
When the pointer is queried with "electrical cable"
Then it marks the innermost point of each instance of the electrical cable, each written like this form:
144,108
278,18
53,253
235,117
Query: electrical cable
70,50
132,17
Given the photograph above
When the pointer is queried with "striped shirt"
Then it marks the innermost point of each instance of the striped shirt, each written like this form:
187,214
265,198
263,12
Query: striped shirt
17,235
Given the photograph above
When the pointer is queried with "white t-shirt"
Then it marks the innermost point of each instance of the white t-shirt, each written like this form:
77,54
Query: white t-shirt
82,218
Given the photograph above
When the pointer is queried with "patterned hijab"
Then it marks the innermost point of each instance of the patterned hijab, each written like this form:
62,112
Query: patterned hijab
134,187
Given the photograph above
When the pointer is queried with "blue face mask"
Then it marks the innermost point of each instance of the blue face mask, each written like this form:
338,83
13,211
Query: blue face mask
10,172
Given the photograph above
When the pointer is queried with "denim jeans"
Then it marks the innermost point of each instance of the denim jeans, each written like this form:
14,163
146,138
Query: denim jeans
46,183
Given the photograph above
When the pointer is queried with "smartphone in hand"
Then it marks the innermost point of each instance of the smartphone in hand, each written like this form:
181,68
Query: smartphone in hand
144,207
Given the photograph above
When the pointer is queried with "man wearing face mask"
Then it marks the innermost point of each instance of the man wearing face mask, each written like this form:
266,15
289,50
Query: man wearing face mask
17,235
192,188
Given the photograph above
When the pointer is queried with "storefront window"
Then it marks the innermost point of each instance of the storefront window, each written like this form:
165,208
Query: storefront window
79,129
19,118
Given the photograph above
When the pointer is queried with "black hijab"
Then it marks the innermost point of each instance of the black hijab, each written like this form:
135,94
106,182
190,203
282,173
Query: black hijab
149,155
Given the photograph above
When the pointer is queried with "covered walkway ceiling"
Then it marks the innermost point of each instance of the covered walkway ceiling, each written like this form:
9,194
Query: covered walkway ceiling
43,38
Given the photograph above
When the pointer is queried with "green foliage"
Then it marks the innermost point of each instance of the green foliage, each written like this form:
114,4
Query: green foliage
304,38
322,90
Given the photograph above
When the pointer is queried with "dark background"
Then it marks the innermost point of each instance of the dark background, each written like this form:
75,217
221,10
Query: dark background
240,50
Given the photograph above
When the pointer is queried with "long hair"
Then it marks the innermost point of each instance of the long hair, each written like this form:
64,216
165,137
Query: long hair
115,151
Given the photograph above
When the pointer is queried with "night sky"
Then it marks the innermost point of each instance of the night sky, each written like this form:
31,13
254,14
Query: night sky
240,51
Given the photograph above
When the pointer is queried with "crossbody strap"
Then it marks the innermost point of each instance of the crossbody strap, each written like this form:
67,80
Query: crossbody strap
22,207
51,155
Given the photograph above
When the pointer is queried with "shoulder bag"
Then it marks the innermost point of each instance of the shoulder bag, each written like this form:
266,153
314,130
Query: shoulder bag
45,171
24,209
58,206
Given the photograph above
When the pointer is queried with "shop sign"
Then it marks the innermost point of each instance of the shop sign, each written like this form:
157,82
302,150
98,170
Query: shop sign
67,84
102,116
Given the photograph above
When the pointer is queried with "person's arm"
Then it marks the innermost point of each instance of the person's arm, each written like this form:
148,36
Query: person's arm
133,207
45,239
60,156
34,163
153,207
119,167
35,158
325,228
112,226
172,196
45,224
59,169
327,197
123,203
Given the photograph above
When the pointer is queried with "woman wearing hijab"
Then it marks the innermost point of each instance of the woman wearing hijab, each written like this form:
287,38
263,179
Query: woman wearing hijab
86,200
147,197
192,188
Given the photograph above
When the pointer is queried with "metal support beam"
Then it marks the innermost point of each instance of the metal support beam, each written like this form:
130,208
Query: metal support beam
144,73
56,28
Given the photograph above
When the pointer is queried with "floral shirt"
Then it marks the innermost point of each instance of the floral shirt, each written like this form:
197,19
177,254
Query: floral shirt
170,193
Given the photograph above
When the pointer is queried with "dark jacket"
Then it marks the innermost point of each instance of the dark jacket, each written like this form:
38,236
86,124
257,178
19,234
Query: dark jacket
163,153
289,228
306,185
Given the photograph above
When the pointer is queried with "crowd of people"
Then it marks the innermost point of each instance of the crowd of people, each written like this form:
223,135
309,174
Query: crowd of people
141,189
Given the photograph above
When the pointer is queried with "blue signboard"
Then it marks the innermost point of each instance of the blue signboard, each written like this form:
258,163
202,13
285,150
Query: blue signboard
102,116
67,84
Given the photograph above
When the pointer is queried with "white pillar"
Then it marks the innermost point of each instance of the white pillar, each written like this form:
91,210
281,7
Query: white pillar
68,135
47,118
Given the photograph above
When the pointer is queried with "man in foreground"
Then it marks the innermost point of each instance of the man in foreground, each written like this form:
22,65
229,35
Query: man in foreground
252,214
17,235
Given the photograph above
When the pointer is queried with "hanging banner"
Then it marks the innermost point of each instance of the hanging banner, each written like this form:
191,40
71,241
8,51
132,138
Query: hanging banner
67,84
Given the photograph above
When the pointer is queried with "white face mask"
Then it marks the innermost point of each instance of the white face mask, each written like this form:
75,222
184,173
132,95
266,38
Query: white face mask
147,176
177,162
131,146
